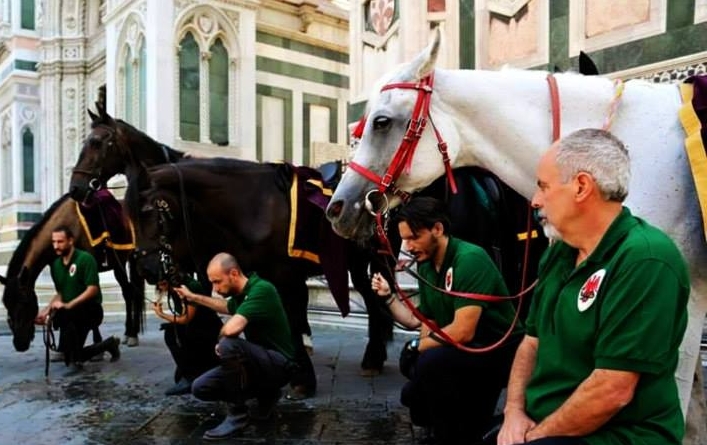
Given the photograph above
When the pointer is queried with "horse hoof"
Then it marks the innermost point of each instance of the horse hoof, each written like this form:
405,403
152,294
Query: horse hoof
371,372
131,341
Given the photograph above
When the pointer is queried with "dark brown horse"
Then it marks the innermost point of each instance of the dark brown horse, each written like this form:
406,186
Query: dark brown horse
35,252
114,147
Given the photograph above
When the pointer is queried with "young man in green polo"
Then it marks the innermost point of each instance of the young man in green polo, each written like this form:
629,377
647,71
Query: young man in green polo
256,366
76,307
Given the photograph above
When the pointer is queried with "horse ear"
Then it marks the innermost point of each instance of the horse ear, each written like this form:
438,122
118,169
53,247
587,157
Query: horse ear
3,280
587,65
105,117
94,116
424,63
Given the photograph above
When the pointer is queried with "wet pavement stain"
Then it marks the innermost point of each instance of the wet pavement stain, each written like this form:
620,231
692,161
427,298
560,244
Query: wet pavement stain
123,402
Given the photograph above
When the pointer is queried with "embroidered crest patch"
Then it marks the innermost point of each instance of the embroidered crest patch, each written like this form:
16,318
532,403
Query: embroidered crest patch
72,270
448,279
590,289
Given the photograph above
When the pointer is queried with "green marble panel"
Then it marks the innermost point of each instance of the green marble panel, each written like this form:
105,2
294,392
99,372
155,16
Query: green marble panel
355,111
559,8
32,217
681,13
301,72
305,48
467,37
26,65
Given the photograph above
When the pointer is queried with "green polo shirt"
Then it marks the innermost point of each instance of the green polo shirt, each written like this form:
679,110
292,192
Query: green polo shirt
267,324
623,308
72,279
467,268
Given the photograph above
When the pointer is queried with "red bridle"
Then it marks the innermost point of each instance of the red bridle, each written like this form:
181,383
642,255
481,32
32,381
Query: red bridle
402,159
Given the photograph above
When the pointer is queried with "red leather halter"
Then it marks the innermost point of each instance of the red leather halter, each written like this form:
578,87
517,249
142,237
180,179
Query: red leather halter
387,248
403,156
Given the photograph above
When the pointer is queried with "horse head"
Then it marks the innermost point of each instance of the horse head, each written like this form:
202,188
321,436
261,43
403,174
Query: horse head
401,109
20,301
114,146
157,215
101,155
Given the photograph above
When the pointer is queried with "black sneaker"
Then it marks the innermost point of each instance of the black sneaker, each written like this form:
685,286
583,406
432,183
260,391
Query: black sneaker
183,386
114,348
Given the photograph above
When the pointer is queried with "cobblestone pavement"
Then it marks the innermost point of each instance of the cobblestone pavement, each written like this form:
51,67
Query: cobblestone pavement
123,402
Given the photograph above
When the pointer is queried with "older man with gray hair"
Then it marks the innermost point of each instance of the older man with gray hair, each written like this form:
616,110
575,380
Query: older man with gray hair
597,364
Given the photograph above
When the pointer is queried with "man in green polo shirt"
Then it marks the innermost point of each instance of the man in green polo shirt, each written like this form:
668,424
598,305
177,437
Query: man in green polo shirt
76,307
597,364
254,367
451,391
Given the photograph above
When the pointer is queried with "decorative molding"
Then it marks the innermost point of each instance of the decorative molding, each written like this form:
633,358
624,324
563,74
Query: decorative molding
506,8
484,21
668,71
578,40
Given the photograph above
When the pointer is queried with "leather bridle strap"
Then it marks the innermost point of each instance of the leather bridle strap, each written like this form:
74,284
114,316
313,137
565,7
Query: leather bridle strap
402,159
555,106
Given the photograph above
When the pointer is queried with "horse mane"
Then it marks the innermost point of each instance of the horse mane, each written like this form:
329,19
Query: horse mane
204,169
13,267
145,140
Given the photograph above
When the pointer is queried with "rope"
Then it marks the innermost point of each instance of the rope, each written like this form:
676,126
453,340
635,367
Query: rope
49,341
614,105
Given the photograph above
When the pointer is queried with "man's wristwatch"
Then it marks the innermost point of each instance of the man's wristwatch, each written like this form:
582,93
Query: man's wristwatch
415,343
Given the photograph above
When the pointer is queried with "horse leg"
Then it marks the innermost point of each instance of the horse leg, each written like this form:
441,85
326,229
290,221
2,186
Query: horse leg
128,292
295,296
380,321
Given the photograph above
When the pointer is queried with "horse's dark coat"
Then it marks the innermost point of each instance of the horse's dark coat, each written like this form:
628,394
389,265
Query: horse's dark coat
35,252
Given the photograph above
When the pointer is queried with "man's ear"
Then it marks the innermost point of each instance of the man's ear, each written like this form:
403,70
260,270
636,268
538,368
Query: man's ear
438,228
584,184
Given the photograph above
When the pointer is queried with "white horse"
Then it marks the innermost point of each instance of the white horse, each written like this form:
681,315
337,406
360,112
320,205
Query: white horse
502,121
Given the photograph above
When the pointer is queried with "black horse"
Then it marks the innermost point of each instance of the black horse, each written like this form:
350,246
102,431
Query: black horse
113,147
35,252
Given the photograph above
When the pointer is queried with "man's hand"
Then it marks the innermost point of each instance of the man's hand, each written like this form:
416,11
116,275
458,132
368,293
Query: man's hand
58,304
185,293
380,285
41,317
157,307
516,425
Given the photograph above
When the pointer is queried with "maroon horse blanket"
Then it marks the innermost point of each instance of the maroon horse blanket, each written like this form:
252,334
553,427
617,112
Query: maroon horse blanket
102,220
311,236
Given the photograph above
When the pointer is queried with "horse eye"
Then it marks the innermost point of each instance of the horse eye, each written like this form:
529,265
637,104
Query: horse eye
381,122
147,208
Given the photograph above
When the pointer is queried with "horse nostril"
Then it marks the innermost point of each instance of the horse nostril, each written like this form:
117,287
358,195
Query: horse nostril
333,211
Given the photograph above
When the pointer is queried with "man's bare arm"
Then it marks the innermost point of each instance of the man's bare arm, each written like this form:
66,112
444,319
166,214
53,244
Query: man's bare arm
516,422
598,398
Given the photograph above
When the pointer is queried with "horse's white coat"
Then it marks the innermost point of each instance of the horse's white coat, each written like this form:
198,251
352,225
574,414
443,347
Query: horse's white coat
502,121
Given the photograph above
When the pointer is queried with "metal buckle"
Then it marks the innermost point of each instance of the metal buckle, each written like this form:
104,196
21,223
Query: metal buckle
369,205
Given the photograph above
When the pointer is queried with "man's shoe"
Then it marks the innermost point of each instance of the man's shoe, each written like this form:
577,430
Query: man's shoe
232,424
183,386
299,392
266,406
114,348
56,356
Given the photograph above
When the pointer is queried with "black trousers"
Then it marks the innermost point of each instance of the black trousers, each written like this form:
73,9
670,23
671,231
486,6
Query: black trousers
192,348
74,325
246,371
456,392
